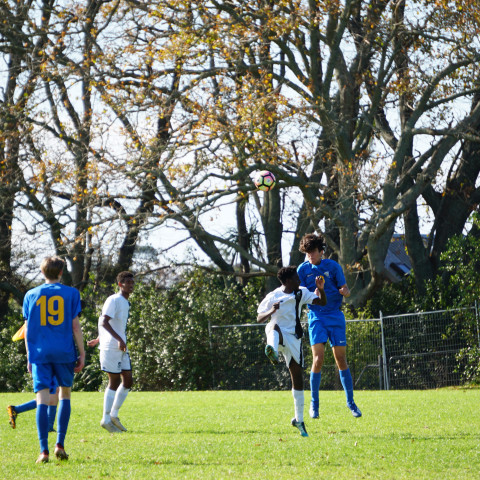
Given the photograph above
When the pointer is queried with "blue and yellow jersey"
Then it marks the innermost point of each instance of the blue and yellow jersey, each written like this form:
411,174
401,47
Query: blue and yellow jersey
49,311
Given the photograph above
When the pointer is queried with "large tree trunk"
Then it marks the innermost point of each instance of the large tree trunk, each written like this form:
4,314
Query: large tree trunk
273,229
243,237
451,208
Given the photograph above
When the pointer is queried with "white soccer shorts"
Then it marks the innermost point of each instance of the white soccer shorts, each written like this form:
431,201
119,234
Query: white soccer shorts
291,348
114,361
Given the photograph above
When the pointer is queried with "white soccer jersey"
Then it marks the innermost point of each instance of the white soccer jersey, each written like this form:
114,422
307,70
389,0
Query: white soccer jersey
284,317
117,308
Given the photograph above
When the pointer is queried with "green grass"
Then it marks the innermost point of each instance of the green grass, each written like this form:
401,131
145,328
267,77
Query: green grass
431,434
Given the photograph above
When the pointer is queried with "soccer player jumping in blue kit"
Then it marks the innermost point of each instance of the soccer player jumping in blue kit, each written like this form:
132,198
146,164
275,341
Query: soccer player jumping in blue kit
326,322
53,328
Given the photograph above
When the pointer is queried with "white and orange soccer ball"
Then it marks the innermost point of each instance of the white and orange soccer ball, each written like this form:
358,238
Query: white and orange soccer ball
264,180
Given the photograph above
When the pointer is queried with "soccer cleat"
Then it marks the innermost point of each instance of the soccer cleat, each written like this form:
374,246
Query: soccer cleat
313,411
271,354
60,453
43,457
354,409
300,426
13,415
116,421
109,427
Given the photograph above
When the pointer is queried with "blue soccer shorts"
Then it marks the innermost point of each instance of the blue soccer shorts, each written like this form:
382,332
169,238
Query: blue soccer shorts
44,374
53,386
329,328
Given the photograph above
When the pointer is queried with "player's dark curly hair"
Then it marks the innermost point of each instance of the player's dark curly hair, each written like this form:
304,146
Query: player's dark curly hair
285,273
122,276
310,242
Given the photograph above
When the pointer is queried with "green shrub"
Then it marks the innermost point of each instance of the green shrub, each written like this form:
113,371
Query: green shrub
469,364
168,330
14,376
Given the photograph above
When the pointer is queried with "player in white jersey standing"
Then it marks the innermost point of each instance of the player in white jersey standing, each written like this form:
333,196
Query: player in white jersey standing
114,356
284,332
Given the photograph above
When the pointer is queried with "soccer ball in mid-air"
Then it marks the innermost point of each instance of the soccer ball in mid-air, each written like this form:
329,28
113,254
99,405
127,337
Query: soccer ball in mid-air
265,180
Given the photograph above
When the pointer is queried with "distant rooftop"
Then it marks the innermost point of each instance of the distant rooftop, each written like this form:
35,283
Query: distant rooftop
397,261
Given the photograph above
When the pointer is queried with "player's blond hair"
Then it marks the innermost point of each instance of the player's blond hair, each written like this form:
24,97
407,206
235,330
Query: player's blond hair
52,267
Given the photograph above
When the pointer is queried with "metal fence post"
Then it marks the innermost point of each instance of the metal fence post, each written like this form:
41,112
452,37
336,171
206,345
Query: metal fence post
211,352
478,327
380,372
386,381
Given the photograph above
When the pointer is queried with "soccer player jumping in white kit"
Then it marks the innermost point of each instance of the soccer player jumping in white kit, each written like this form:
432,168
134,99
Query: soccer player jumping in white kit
284,332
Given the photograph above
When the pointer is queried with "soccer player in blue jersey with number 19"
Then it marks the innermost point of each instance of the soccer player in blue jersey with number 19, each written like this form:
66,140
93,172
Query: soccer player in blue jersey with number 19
326,322
53,328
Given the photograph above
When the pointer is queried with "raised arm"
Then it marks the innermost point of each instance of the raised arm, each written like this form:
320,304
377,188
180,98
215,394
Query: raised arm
320,292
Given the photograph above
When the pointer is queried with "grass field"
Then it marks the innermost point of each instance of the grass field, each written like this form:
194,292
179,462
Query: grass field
431,434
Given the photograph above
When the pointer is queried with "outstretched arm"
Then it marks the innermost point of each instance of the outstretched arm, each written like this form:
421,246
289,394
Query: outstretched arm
93,343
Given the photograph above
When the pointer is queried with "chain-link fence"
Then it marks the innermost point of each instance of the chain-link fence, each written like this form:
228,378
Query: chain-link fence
419,350
422,349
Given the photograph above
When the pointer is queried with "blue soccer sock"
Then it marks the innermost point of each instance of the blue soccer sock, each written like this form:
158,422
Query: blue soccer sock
347,383
315,379
52,412
42,426
64,410
25,407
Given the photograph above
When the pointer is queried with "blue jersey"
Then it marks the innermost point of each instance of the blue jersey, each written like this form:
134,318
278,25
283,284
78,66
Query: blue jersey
49,311
334,279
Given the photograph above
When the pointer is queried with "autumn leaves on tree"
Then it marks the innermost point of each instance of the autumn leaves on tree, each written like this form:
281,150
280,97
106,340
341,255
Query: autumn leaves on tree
121,119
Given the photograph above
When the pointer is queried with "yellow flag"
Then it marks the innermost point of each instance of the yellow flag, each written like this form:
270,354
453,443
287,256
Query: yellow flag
20,335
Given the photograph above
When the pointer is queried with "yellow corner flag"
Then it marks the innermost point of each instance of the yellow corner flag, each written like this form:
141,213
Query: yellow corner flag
20,335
